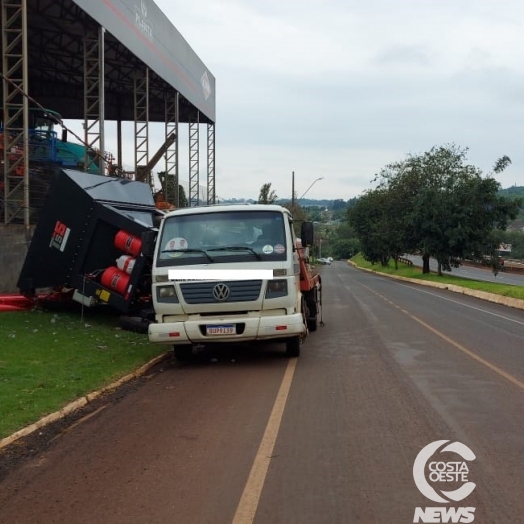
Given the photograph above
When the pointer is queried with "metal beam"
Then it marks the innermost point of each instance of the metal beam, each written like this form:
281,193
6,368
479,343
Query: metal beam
94,97
194,160
141,93
171,126
15,196
211,191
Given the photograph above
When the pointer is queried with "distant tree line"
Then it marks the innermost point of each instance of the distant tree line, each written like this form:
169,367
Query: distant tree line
436,205
433,204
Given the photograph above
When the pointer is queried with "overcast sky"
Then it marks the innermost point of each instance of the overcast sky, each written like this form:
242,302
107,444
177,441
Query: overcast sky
340,88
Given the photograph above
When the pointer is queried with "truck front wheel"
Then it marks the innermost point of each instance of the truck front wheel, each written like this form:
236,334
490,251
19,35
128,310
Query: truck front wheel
135,324
184,352
293,346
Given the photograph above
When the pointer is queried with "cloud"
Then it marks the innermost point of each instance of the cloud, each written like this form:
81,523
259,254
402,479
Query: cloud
340,88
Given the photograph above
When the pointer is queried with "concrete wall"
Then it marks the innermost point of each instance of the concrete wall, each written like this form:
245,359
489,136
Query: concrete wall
14,243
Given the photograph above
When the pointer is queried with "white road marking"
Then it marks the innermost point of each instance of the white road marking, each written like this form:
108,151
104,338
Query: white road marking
462,304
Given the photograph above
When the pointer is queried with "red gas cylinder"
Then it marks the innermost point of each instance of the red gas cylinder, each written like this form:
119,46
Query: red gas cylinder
128,243
115,279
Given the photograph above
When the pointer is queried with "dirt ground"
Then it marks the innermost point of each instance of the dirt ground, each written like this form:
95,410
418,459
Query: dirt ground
27,448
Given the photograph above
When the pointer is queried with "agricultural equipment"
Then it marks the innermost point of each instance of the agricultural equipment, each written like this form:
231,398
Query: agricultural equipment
46,153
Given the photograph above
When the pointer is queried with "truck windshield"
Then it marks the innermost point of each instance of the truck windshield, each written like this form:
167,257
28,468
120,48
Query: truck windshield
228,236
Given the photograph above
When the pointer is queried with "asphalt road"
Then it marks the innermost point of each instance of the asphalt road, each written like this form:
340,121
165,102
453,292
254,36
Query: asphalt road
246,435
475,273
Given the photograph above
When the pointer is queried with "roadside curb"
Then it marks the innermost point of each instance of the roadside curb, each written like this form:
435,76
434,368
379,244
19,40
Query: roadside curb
516,303
81,402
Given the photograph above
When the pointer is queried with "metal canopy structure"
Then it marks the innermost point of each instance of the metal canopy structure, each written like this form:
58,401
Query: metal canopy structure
98,60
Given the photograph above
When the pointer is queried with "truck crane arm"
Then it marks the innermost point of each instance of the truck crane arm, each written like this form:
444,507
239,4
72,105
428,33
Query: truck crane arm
143,173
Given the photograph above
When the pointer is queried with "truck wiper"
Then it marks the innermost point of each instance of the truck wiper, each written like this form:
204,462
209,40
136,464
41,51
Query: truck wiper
203,251
237,248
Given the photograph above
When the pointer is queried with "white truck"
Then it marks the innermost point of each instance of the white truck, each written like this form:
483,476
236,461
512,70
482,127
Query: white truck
233,273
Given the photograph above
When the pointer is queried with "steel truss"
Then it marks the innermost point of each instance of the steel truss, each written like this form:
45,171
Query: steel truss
194,159
14,195
94,97
211,192
171,126
141,93
74,58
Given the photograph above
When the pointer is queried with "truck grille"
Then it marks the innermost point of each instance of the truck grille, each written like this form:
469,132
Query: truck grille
239,291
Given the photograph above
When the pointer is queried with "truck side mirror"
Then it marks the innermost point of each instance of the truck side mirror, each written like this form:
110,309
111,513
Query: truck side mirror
148,243
306,234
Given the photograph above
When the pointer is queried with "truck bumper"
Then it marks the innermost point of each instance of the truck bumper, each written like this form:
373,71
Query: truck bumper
246,329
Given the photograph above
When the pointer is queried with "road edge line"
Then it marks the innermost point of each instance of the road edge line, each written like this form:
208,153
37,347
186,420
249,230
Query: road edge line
81,402
516,303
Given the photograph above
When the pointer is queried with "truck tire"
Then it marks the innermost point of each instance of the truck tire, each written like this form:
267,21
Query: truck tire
312,324
183,352
312,310
293,346
135,324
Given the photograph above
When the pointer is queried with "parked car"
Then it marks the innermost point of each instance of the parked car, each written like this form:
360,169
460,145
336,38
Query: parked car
324,261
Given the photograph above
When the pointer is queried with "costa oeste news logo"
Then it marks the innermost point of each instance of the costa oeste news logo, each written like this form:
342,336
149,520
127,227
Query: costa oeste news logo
443,469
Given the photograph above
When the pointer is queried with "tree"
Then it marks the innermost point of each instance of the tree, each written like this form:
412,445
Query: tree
338,204
370,221
346,248
169,187
516,239
267,195
501,164
435,205
299,215
182,198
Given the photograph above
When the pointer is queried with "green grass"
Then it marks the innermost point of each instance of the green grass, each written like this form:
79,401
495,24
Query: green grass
416,273
48,359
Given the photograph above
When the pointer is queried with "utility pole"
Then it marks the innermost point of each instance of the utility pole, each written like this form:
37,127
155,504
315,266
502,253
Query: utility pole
292,191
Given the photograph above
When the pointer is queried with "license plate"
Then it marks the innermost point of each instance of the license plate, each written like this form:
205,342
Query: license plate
224,329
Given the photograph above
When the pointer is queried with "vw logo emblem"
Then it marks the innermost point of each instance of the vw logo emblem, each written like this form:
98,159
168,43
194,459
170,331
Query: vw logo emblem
221,292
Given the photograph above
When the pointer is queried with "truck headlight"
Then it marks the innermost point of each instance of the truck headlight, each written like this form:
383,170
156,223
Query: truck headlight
166,294
276,288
